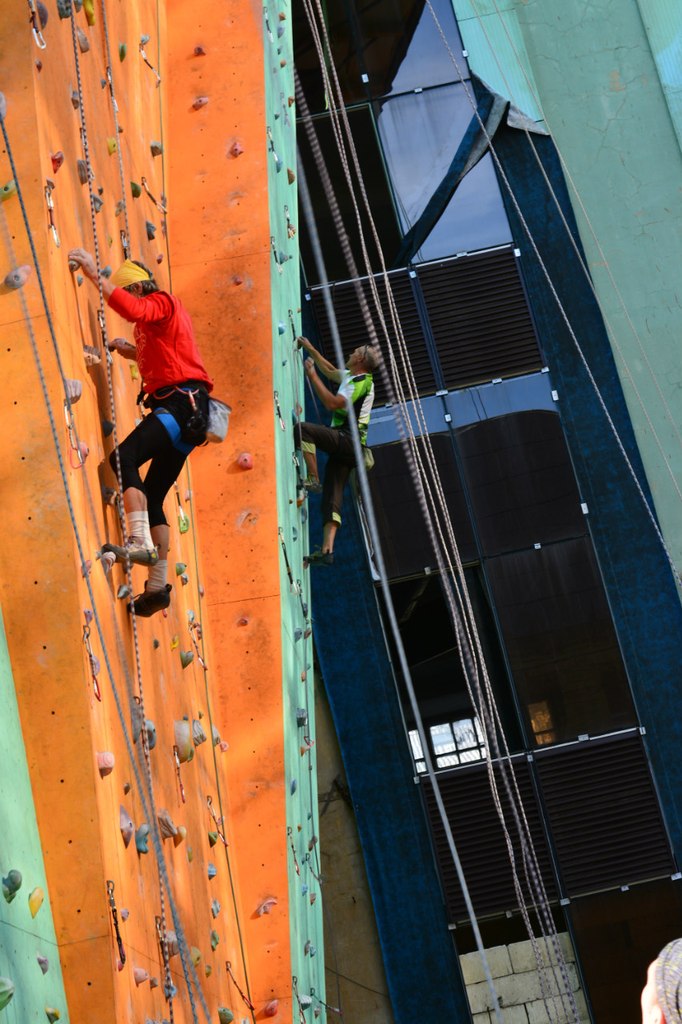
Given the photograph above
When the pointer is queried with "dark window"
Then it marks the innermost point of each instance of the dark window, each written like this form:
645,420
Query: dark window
520,481
603,813
378,192
404,538
421,133
344,42
561,642
617,935
479,318
353,328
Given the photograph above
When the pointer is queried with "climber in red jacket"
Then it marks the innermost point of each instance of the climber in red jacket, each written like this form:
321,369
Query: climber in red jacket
176,388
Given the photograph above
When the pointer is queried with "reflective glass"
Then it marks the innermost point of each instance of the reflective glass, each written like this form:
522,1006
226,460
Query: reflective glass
342,34
561,642
521,481
421,133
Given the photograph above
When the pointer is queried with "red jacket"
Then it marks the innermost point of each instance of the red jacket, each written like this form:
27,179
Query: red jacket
167,351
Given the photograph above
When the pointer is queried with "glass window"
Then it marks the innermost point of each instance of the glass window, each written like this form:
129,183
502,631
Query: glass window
561,642
520,481
342,32
378,192
617,935
437,120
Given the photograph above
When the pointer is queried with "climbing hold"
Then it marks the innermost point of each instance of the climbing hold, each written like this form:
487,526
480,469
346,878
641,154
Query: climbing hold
301,717
136,719
123,591
156,148
125,913
195,955
57,160
190,854
266,906
175,642
142,838
97,203
186,658
126,788
82,169
64,8
291,177
179,568
225,1016
119,208
126,825
183,740
236,149
140,975
170,991
91,355
135,189
212,871
106,271
167,828
180,835
312,843
8,190
6,992
74,389
75,100
112,145
109,498
105,763
282,16
83,451
144,40
122,51
271,1009
52,1014
184,579
159,257
298,633
212,838
215,939
153,982
293,787
198,734
11,885
156,644
215,736
35,900
309,949
150,228
281,327
43,963
172,945
83,41
200,102
245,461
134,373
18,277
215,908
280,31
199,51
282,63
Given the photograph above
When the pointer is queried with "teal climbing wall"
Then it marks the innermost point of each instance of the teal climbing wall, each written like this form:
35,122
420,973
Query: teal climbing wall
23,938
305,899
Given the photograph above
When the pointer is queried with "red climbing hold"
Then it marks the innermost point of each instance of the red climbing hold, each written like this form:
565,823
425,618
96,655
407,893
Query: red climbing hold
199,51
57,160
200,102
236,149
245,461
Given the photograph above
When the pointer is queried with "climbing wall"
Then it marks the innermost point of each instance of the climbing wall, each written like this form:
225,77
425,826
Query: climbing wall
175,809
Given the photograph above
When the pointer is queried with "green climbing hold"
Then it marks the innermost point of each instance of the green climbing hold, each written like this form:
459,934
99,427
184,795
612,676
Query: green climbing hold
186,658
11,885
122,51
225,1016
179,568
6,992
8,190
64,8
142,839
215,939
212,838
135,189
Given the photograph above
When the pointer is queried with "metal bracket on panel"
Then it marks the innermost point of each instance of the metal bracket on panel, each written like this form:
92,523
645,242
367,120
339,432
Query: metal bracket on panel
412,273
465,53
439,394
530,758
416,780
418,89
565,902
427,570
537,546
583,507
676,877
583,736
555,395
625,888
447,417
517,253
365,78
452,927
545,369
307,296
642,730
496,380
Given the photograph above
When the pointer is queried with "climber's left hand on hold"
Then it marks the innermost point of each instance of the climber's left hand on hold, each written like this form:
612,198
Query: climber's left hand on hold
84,261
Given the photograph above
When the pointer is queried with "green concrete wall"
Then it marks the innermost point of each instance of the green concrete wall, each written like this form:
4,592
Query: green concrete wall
305,897
23,938
599,90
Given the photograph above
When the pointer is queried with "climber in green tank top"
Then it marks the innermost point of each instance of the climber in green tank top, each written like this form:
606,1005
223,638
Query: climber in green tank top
355,391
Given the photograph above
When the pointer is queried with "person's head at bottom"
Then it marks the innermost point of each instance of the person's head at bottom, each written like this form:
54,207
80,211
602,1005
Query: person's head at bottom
662,995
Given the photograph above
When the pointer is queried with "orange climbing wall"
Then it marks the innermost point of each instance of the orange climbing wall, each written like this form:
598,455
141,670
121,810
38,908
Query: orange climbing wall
221,240
220,257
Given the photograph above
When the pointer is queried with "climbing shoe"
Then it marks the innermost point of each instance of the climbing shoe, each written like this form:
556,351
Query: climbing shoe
312,485
318,558
151,601
134,551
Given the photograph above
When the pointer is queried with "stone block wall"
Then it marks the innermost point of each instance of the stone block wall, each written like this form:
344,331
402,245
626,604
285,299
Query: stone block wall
517,983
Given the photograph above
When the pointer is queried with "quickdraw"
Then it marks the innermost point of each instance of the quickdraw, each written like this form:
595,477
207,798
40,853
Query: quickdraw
114,918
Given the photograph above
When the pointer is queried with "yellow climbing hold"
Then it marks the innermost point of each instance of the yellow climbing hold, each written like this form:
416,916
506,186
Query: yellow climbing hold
112,145
175,642
52,1014
89,8
134,372
8,190
35,900
195,955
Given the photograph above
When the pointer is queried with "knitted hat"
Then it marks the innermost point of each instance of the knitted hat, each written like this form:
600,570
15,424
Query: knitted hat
668,974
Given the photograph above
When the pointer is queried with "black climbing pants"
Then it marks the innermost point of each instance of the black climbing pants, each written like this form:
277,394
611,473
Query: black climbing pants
339,446
150,440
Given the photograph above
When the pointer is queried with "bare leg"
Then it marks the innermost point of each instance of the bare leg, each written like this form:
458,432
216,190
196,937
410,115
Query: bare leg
134,500
310,459
329,536
161,538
